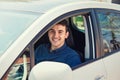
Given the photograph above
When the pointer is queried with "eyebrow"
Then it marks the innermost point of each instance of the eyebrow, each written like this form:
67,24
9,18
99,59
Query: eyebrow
50,29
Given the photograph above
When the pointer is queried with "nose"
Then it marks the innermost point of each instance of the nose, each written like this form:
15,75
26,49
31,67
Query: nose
56,34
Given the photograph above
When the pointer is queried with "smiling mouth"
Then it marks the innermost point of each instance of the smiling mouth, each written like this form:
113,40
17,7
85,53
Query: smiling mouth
55,39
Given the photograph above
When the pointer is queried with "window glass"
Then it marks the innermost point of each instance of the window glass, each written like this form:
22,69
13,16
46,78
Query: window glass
20,69
110,27
12,24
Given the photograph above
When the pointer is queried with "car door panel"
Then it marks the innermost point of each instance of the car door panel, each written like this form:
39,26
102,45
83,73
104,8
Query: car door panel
112,66
91,71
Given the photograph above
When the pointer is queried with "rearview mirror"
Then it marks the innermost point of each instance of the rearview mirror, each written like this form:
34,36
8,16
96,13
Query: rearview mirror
51,71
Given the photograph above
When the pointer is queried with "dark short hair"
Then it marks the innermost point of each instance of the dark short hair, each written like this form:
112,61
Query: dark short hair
64,23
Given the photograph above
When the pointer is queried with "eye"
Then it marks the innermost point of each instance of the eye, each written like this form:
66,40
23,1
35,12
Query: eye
60,31
51,31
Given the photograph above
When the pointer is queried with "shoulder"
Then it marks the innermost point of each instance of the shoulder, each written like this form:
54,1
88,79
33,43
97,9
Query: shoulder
41,47
71,51
72,54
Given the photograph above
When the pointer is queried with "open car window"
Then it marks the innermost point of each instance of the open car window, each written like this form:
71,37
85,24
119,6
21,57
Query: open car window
78,38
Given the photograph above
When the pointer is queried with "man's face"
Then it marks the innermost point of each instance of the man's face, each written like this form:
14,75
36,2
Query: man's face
57,35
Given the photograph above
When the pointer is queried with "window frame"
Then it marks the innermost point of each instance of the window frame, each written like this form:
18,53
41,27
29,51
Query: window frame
64,16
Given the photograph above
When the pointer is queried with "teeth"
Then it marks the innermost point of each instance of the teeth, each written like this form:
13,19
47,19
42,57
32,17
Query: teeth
55,39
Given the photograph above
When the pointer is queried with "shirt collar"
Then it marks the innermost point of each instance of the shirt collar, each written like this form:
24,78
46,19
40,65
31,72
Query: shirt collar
59,49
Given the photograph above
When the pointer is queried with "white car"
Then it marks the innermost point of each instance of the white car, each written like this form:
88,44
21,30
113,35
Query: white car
95,29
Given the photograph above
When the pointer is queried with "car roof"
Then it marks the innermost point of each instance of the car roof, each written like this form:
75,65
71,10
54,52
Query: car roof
40,6
34,5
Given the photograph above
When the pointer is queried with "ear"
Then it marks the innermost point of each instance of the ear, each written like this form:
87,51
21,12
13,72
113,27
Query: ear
67,34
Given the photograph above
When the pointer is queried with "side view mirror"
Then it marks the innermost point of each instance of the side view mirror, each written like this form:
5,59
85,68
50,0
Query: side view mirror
50,71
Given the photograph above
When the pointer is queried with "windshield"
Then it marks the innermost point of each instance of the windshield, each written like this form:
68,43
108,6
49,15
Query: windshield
12,24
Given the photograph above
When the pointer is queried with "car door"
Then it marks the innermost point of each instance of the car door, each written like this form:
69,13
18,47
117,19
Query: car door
109,28
92,67
108,21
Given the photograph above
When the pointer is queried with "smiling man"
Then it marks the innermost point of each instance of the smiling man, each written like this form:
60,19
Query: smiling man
57,50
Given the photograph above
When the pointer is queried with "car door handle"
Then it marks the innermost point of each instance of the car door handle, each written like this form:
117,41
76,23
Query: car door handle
100,77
